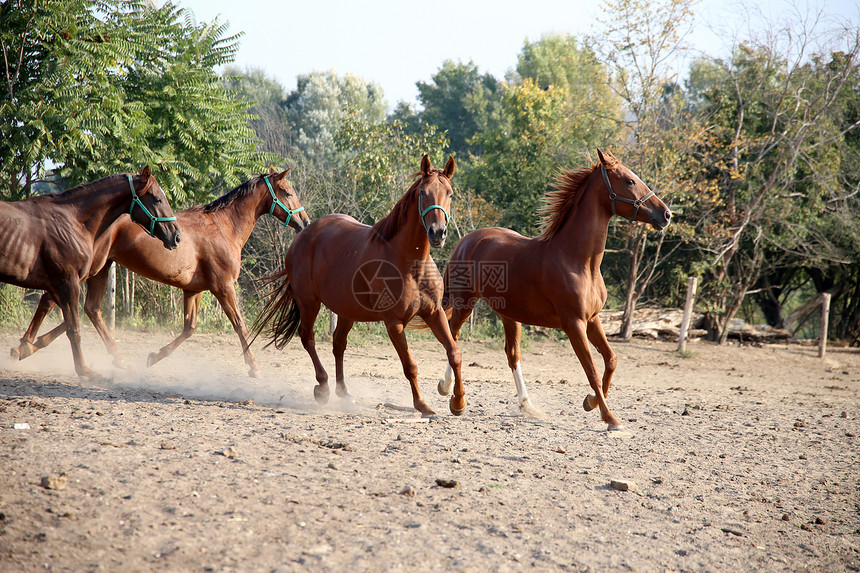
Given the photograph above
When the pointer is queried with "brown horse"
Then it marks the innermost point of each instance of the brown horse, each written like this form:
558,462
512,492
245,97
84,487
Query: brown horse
49,242
554,279
209,258
369,274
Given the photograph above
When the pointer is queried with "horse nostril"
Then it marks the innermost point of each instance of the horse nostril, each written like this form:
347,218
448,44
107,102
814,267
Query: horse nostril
668,215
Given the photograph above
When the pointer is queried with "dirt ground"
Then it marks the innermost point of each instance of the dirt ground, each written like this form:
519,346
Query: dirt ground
738,458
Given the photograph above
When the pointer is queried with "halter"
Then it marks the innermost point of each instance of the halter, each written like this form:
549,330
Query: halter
430,208
277,202
614,196
135,200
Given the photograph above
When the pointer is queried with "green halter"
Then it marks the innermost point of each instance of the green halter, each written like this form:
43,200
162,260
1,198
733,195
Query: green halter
277,202
135,200
430,208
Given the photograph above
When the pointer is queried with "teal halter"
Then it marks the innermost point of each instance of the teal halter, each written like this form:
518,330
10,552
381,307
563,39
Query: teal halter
135,200
277,202
430,208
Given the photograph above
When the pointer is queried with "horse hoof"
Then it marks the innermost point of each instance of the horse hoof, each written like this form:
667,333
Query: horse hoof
616,428
254,373
586,404
445,386
14,354
457,411
321,394
151,359
430,415
528,410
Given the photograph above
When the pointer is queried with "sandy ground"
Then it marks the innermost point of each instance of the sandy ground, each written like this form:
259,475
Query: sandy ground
738,459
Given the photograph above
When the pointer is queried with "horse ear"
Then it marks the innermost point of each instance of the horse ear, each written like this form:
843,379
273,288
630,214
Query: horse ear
425,164
601,156
272,169
144,173
449,168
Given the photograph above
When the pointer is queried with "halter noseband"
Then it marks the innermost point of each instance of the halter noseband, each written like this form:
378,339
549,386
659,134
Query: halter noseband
613,196
135,200
277,202
423,212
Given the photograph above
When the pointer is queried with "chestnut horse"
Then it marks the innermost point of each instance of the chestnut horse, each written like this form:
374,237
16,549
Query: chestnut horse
554,279
209,258
49,242
369,274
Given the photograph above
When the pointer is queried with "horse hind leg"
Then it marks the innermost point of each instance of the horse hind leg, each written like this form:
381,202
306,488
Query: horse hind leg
191,304
513,334
339,340
29,344
307,316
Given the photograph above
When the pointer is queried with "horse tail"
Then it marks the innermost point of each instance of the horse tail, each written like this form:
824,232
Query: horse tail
280,317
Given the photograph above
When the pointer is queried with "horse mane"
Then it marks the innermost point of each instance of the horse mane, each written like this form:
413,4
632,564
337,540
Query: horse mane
560,202
240,191
91,186
385,229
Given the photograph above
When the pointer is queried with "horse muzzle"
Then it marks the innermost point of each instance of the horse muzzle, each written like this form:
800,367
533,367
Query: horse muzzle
172,240
437,235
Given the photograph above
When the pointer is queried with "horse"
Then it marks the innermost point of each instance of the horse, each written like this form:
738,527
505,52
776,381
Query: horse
554,279
369,274
208,259
49,242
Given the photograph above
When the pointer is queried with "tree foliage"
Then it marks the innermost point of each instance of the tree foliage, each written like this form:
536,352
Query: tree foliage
98,87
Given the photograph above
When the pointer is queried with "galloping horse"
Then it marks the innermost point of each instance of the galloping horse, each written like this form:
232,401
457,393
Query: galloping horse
554,279
49,242
209,258
369,274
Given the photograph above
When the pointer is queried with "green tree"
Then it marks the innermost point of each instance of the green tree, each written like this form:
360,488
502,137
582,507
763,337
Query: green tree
98,87
462,102
520,155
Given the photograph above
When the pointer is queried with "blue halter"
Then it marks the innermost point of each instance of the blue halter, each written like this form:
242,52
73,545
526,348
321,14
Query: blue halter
277,202
135,200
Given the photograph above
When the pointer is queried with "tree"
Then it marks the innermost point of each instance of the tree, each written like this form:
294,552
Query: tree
321,102
639,39
779,123
97,87
461,101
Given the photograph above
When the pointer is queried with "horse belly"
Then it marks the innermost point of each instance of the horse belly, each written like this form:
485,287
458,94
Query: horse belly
20,246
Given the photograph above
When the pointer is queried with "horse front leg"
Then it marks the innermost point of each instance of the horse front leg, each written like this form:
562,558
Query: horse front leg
438,324
230,305
190,303
410,368
338,348
576,332
66,297
29,344
459,315
610,361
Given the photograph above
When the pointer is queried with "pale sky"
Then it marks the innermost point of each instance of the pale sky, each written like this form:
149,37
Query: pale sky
398,43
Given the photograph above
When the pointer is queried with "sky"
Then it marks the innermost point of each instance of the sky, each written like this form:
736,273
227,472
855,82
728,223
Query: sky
396,43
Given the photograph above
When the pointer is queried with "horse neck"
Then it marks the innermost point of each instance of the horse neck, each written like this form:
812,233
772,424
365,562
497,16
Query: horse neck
583,234
99,208
241,215
410,241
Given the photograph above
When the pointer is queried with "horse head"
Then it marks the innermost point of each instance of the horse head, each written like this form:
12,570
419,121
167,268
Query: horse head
151,209
434,200
629,196
286,207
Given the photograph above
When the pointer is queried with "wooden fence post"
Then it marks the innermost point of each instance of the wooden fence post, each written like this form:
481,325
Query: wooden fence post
111,309
692,285
825,319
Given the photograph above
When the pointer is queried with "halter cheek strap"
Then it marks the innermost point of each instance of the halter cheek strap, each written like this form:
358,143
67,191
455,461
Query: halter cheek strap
613,196
423,212
135,200
277,202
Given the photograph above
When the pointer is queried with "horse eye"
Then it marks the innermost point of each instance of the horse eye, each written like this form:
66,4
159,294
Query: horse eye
631,183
